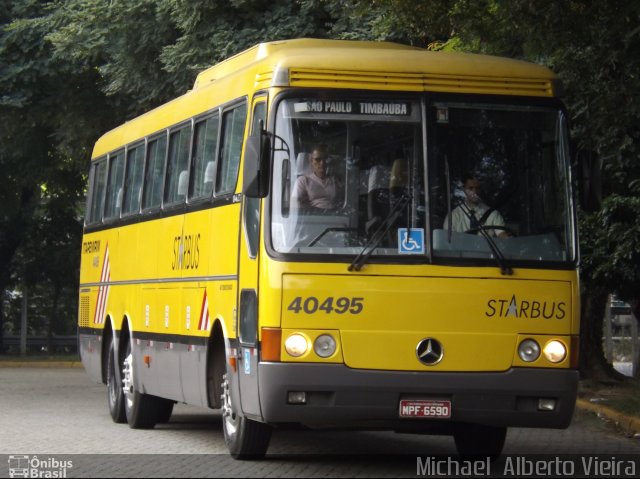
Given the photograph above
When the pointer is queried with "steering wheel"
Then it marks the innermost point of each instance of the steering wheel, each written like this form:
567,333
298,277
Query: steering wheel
506,229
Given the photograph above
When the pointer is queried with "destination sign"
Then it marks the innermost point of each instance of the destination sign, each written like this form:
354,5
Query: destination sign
384,108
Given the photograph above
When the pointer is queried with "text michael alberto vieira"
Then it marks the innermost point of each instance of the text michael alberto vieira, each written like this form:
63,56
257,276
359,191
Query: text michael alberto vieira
521,466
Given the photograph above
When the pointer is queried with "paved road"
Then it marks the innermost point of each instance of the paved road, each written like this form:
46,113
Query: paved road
61,415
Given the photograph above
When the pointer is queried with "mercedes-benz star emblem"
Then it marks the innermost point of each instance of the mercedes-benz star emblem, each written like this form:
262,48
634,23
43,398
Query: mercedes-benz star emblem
430,351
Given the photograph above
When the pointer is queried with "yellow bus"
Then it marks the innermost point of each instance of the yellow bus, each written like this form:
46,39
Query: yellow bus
338,234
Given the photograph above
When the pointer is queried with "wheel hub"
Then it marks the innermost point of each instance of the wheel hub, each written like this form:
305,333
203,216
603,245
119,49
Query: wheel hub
127,379
229,417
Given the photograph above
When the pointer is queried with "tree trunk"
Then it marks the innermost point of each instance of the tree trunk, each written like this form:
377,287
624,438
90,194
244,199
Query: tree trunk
24,329
15,229
52,318
1,323
635,311
593,364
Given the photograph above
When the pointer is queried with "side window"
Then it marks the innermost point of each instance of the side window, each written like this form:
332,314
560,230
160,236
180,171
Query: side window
115,192
233,122
177,167
97,186
133,180
156,151
259,115
205,144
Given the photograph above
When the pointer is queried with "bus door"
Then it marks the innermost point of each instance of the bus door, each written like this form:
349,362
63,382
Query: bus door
248,261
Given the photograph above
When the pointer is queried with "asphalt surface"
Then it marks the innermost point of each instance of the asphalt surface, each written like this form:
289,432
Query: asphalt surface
59,416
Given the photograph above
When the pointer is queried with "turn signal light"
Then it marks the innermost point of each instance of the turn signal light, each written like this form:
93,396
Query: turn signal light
271,344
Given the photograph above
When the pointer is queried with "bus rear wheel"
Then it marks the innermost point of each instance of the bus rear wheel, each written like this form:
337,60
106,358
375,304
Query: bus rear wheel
245,439
115,394
143,410
165,410
478,441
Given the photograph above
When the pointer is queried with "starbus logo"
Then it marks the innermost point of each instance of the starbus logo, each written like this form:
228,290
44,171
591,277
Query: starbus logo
525,308
26,466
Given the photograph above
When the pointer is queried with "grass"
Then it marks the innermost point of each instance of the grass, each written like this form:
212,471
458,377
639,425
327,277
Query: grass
621,396
39,357
627,401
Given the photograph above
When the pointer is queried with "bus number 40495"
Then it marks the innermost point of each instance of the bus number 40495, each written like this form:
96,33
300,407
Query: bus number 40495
311,305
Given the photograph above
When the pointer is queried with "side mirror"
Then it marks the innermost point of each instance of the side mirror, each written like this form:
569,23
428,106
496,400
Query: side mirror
257,163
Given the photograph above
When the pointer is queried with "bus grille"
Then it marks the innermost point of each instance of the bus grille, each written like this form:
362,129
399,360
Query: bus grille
421,82
84,311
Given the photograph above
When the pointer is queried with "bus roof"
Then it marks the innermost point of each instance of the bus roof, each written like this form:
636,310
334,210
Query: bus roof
347,64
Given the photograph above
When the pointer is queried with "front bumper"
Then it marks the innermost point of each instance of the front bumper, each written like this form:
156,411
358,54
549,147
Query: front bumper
338,396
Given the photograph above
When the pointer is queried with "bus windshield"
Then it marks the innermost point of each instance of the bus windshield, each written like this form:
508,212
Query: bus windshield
352,179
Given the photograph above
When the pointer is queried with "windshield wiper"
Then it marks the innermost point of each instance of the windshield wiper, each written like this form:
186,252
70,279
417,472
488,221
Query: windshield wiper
374,240
505,269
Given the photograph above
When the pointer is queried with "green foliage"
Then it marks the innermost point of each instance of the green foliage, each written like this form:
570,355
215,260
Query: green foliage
595,49
50,113
610,242
213,31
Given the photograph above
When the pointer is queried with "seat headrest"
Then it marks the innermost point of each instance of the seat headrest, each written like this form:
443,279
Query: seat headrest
378,177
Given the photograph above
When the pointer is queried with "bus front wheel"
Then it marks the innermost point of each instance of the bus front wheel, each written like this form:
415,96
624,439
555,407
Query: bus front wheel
245,439
475,440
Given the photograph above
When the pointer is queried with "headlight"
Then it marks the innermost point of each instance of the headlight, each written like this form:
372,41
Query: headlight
555,351
324,345
529,350
296,345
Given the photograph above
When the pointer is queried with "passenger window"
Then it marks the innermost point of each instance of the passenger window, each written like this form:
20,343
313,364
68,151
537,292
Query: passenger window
96,192
133,180
233,122
177,168
259,115
203,169
156,152
114,189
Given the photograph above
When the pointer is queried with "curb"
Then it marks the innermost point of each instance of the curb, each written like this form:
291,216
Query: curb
630,424
40,364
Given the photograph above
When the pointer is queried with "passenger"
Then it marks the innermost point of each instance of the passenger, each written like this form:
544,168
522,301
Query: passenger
317,189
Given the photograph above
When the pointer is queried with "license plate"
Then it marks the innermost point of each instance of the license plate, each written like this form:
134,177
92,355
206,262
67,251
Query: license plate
427,408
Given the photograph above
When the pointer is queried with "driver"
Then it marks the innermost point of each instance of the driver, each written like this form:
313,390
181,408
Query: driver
470,215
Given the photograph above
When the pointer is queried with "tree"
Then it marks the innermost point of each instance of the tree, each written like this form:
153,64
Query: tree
609,259
50,113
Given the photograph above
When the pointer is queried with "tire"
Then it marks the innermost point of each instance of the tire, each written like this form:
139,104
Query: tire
142,410
115,394
478,441
245,439
165,409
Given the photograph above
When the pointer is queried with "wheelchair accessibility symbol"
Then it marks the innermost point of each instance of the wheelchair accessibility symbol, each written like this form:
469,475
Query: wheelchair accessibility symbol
410,240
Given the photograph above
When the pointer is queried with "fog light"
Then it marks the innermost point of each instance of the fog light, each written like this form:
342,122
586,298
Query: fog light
529,350
296,345
546,404
555,351
324,345
297,397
